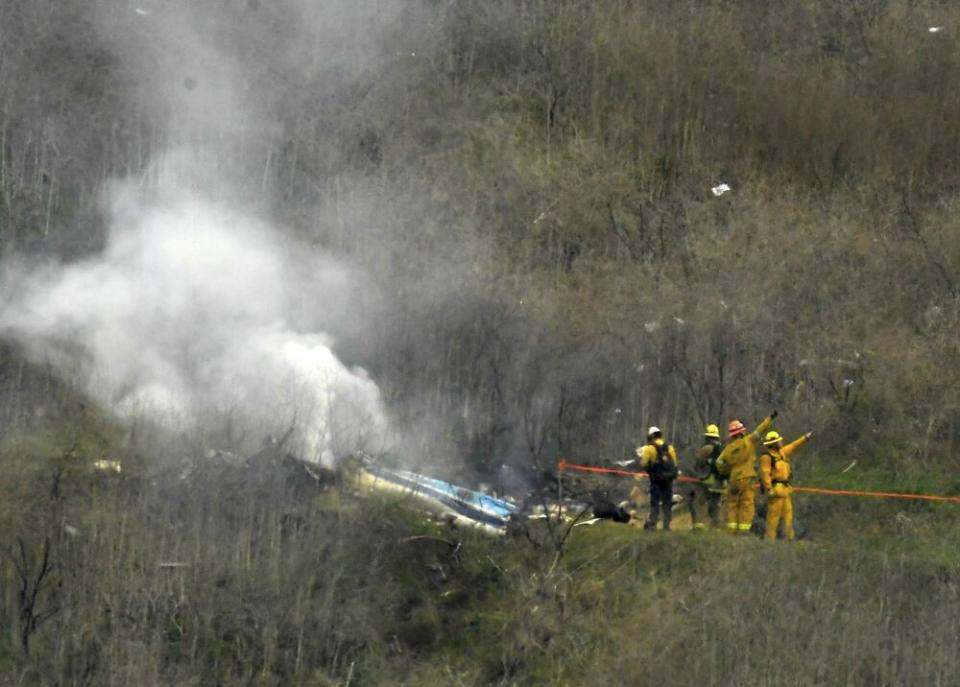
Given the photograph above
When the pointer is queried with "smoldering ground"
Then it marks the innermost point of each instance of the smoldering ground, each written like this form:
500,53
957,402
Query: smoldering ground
189,317
221,97
199,316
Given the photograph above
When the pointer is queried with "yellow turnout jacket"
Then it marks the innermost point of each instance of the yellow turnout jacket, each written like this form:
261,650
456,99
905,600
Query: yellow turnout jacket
778,470
740,455
648,452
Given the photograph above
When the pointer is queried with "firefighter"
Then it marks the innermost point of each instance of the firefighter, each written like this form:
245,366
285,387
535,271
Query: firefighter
775,478
659,460
739,462
706,495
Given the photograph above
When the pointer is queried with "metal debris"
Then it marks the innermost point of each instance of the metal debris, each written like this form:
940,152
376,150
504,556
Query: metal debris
720,189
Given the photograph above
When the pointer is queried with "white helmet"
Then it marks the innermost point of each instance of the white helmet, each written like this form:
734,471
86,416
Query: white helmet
653,430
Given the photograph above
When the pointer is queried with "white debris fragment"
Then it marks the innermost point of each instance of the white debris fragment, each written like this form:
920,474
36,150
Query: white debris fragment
617,411
108,466
141,12
70,529
848,468
680,321
173,564
720,189
935,29
625,463
651,326
540,217
847,383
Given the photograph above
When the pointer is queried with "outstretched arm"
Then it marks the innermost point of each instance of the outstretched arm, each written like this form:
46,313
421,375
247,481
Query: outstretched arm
765,425
794,445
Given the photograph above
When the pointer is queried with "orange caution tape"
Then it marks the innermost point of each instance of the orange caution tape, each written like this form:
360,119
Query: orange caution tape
564,465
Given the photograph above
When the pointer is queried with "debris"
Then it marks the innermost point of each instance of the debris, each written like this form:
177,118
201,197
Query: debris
607,510
592,521
847,383
462,505
108,466
173,564
720,189
618,411
680,321
651,327
848,468
71,530
935,29
625,463
141,12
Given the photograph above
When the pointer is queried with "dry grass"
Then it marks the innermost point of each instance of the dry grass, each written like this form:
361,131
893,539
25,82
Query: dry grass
243,577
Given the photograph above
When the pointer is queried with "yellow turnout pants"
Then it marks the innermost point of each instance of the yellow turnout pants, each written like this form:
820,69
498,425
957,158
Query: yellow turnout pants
780,507
740,505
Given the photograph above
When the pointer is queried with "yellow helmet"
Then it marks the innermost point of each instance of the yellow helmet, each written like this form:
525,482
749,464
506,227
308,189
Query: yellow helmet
771,438
712,431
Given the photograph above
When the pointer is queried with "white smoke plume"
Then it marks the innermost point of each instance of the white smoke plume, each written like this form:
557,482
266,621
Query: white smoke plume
198,316
187,319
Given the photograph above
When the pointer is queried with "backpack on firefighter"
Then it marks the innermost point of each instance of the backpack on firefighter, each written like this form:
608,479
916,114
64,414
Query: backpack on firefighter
663,468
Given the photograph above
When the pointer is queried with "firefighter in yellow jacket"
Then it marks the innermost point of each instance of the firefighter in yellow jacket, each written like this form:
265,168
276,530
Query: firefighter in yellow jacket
775,477
659,459
706,494
739,461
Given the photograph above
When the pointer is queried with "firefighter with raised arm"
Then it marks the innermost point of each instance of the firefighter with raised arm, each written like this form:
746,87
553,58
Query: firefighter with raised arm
707,494
659,460
775,478
739,461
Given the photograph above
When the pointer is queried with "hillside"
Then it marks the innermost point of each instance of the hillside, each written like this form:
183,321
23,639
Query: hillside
235,577
472,238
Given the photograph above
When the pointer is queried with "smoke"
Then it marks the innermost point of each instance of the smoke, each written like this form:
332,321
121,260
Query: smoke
187,318
199,316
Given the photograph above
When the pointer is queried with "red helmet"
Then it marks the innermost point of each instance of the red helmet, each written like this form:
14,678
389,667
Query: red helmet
736,429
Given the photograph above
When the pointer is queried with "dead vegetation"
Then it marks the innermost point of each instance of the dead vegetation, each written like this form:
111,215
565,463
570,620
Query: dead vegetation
527,185
243,575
